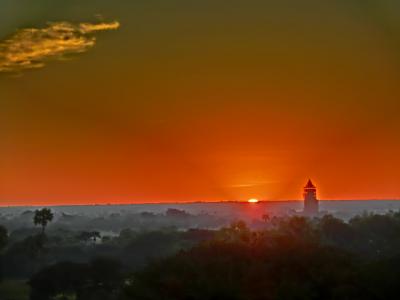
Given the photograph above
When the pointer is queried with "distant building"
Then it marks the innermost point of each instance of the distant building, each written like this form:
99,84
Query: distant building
311,203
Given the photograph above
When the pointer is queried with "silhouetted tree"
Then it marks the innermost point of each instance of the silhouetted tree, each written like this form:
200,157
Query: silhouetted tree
336,232
101,279
3,243
42,217
266,217
3,237
62,279
238,231
105,274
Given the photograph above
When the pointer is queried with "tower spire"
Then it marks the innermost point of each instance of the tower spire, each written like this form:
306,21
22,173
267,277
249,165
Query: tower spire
311,204
310,184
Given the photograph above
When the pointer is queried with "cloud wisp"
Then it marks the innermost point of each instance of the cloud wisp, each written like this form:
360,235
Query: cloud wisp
253,184
31,48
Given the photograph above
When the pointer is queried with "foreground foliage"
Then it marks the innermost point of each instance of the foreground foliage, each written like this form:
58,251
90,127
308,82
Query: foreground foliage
296,259
289,258
14,290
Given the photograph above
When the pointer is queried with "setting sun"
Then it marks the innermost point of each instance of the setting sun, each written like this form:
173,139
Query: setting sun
252,201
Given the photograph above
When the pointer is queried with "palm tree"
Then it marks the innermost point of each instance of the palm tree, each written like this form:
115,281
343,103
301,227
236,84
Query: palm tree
43,217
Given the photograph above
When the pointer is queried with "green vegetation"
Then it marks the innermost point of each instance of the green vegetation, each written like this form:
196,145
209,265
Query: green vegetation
14,290
287,258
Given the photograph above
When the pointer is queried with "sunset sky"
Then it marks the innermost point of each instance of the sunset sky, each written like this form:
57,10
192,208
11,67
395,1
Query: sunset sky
130,101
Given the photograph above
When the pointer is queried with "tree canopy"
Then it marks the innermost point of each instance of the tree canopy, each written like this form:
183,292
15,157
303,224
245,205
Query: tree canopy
42,217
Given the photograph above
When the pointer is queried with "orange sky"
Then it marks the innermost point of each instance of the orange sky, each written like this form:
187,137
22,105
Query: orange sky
206,102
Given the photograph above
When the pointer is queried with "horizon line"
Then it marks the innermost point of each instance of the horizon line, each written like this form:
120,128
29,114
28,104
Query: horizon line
186,203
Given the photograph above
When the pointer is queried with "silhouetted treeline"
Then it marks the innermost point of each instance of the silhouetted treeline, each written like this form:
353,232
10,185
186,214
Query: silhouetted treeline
286,258
289,262
101,278
115,222
134,249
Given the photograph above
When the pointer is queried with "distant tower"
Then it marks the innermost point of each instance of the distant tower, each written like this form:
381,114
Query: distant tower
310,199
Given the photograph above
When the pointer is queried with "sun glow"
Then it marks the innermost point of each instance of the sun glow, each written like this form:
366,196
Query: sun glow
252,200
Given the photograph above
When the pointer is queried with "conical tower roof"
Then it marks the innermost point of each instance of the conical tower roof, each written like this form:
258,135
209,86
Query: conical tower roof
309,185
